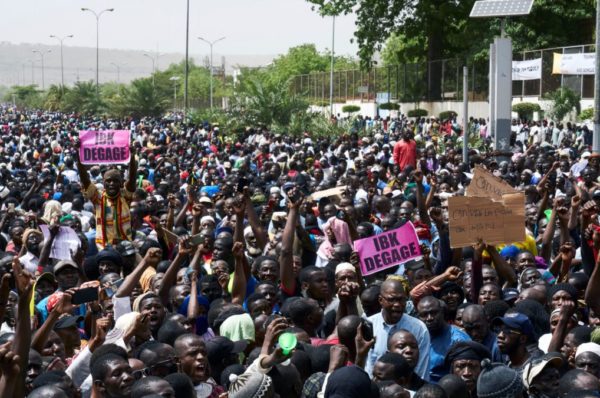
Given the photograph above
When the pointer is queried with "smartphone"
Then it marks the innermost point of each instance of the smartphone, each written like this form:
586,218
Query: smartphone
367,329
11,207
242,183
197,239
85,295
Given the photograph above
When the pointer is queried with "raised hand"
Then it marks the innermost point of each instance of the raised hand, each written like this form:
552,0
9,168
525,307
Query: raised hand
153,256
453,274
9,361
362,346
23,279
238,250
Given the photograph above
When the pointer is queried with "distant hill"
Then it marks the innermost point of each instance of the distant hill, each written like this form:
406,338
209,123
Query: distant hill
80,63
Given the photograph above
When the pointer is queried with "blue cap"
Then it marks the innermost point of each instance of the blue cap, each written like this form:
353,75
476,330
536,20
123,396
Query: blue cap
516,321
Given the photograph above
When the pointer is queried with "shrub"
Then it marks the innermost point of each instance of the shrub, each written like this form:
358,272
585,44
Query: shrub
389,106
417,113
321,103
447,115
350,108
526,109
587,114
564,101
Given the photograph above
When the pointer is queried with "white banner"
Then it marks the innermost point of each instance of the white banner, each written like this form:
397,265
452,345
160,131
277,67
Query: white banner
527,70
574,64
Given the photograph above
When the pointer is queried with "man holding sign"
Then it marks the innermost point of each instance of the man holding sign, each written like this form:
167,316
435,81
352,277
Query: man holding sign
113,218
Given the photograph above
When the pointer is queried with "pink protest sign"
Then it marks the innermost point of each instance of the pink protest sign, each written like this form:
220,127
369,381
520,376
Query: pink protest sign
104,147
388,249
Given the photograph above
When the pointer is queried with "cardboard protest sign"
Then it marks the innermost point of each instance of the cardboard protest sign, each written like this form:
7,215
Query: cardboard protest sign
496,222
488,185
388,249
334,193
104,147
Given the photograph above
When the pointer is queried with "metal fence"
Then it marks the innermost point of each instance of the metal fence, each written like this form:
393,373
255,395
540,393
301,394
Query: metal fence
439,80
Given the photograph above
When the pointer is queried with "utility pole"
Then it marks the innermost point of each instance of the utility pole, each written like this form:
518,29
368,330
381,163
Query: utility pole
42,53
211,44
98,15
596,142
187,62
332,62
62,69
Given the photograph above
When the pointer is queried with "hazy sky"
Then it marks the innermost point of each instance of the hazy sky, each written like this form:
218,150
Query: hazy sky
250,26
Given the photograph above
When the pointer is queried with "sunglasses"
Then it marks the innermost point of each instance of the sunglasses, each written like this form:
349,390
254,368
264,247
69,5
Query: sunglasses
145,372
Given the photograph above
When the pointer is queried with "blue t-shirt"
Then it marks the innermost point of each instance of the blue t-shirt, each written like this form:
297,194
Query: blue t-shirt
439,348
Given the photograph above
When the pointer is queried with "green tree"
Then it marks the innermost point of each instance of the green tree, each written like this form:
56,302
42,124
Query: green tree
564,101
439,29
142,98
83,99
25,96
55,97
267,103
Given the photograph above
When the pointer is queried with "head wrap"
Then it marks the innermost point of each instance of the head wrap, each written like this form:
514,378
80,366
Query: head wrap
201,321
137,303
238,327
570,289
207,218
511,252
342,235
467,350
588,347
52,210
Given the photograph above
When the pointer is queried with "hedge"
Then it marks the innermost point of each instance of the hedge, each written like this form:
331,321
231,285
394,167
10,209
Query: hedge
417,113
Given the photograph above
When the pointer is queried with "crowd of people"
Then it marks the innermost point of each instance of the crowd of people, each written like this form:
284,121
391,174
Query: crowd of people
214,265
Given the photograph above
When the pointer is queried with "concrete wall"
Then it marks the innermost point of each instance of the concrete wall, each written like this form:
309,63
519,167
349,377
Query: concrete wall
478,109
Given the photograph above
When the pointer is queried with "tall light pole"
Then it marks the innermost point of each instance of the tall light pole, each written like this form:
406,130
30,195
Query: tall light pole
62,69
97,15
42,53
187,62
174,79
331,71
118,70
596,136
153,65
211,44
32,71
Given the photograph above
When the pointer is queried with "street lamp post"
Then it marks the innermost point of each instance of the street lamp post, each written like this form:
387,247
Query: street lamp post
62,69
42,56
174,79
211,44
187,63
118,70
153,65
32,71
331,71
97,15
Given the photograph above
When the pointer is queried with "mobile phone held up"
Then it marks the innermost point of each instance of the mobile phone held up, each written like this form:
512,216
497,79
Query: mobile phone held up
85,295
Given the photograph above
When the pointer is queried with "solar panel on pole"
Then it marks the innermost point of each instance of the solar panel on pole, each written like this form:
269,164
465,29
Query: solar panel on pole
500,8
